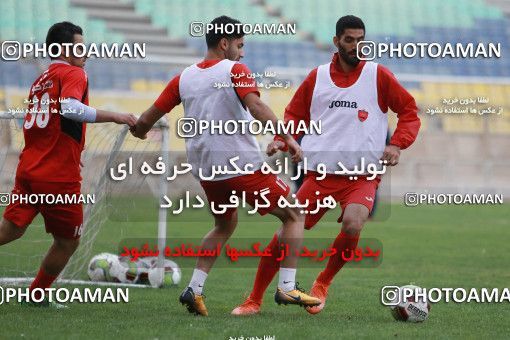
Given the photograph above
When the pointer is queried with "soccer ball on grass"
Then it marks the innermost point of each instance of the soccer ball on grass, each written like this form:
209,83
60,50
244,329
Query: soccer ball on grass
410,308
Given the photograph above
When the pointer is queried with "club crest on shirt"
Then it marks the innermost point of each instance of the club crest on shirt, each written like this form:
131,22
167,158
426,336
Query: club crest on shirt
362,115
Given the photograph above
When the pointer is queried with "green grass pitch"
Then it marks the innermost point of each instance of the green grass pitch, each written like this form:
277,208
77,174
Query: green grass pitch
430,246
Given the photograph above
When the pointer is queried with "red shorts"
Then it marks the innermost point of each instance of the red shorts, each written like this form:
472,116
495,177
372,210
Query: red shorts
61,220
219,192
343,190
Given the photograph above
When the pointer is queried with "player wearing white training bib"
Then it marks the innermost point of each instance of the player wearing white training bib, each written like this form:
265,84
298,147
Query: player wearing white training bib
212,149
239,100
351,98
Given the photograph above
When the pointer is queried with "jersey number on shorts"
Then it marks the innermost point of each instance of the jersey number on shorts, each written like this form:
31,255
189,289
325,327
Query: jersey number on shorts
78,230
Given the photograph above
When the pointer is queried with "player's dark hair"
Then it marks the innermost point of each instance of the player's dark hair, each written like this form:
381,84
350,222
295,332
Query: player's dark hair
60,33
348,21
226,27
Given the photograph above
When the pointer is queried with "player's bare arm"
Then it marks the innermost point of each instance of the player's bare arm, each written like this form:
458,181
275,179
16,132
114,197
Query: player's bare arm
103,116
263,113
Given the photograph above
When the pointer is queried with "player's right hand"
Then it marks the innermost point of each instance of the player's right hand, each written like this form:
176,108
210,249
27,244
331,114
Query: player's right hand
295,150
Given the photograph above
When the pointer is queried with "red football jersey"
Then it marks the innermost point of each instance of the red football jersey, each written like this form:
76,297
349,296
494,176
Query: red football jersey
53,143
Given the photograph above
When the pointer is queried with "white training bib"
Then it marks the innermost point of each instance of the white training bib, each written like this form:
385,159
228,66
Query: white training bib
203,101
353,125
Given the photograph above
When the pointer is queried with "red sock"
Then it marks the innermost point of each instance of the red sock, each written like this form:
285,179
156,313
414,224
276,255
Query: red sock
335,263
268,267
42,280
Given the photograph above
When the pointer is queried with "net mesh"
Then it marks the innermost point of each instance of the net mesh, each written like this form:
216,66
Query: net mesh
107,145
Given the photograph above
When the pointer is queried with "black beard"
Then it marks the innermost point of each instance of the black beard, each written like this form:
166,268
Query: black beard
352,61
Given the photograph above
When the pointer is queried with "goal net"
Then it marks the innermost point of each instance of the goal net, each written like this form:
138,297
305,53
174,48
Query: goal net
117,205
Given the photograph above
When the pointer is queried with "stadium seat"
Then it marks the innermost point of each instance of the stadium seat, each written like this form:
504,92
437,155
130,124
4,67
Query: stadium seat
29,20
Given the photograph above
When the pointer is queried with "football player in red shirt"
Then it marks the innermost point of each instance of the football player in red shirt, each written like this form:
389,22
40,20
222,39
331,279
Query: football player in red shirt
351,98
54,133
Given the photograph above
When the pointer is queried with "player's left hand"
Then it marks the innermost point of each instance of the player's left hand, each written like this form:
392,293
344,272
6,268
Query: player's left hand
125,118
391,155
274,146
